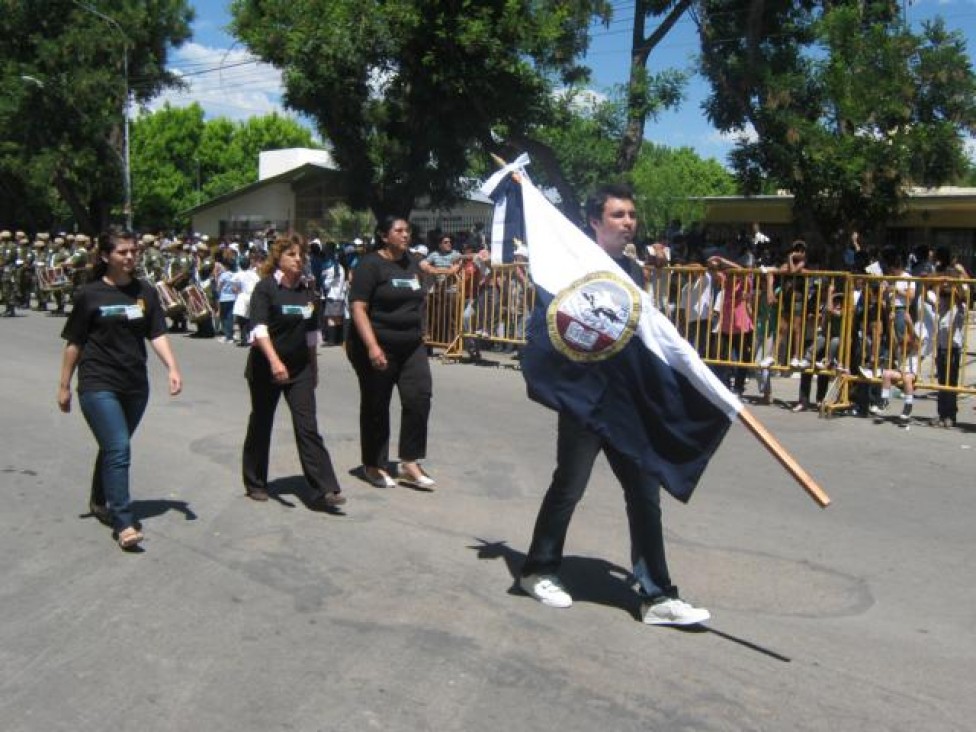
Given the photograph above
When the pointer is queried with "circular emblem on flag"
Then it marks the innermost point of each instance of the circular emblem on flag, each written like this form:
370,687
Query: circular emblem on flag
594,317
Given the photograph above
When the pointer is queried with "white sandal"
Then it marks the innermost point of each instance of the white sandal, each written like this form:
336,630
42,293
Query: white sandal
422,481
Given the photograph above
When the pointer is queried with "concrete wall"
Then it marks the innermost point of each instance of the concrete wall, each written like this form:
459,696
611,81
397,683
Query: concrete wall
273,203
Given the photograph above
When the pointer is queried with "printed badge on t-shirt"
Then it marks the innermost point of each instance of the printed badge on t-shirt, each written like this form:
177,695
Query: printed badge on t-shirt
402,283
305,311
127,312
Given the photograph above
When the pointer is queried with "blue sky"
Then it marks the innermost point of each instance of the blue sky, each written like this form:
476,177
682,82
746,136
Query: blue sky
227,82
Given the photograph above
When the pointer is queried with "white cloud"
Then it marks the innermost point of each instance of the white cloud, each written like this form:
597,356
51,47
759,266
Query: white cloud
748,134
225,82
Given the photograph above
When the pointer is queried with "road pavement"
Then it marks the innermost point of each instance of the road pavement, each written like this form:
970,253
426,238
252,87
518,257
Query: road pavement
400,613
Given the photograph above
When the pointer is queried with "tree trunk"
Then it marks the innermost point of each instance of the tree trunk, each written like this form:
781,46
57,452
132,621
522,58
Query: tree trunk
638,107
71,197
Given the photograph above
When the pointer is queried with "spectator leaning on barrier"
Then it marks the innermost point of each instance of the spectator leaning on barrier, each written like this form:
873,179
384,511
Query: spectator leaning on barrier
472,277
951,312
444,262
794,295
735,324
902,339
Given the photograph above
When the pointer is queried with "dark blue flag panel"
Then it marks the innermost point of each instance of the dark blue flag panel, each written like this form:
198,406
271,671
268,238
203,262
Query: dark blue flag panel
509,222
633,400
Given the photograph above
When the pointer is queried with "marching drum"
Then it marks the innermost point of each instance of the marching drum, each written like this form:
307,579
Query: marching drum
52,279
170,300
197,305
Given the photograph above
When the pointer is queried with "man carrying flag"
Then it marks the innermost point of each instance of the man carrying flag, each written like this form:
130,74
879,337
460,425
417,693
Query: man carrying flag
648,403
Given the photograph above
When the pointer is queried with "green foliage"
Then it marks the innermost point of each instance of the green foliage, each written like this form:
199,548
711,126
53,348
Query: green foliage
583,136
180,160
666,178
850,108
406,89
342,224
63,88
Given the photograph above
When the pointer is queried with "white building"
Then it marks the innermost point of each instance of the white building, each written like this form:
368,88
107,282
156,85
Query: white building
296,189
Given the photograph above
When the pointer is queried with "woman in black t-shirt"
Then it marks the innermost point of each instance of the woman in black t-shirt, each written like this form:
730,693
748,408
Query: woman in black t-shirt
106,335
283,360
386,348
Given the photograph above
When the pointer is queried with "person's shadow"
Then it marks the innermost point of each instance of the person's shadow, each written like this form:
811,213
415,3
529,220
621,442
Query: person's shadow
297,486
158,506
603,583
588,579
145,509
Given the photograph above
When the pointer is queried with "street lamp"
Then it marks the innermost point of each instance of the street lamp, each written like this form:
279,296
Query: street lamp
126,168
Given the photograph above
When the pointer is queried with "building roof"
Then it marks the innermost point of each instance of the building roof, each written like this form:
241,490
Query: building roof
292,176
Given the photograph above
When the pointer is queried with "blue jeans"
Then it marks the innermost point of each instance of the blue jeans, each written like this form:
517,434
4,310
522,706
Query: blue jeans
227,319
113,419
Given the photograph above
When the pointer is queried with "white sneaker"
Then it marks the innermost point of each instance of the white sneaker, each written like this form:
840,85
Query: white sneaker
672,611
767,362
794,363
803,364
866,371
547,589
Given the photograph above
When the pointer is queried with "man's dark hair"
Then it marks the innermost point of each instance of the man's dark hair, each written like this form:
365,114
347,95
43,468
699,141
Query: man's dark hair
593,208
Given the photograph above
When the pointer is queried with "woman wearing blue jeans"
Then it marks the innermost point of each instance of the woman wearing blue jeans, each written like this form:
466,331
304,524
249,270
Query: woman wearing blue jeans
106,333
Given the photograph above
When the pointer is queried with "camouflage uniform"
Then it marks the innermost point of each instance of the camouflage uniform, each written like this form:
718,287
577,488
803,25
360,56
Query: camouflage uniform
153,263
80,262
25,268
8,259
178,273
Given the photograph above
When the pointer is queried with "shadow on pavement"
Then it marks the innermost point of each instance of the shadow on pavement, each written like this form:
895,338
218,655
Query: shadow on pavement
295,485
159,506
587,579
602,583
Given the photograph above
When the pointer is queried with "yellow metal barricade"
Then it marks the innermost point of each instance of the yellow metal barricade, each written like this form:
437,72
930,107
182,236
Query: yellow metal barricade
444,301
490,310
849,328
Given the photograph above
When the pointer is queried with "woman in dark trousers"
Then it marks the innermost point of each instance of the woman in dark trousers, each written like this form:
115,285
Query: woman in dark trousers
283,360
106,333
386,348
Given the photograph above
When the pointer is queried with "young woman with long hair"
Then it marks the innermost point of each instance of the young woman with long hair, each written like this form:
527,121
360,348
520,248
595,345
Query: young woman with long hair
112,318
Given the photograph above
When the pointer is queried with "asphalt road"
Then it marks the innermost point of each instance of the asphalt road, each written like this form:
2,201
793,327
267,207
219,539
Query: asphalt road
400,614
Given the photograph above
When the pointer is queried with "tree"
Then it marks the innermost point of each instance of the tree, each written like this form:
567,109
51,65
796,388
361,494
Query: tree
583,137
63,85
849,107
179,159
647,93
405,90
668,180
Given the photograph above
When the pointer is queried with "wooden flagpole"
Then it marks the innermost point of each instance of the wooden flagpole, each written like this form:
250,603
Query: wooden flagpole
785,459
761,433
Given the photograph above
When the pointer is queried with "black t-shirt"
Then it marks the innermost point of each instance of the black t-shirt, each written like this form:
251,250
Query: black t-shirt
395,297
290,314
632,268
111,325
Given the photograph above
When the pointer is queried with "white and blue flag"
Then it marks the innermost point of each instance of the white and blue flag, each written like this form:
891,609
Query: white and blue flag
598,349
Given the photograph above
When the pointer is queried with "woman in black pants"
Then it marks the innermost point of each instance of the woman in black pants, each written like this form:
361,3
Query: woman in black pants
386,348
283,360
